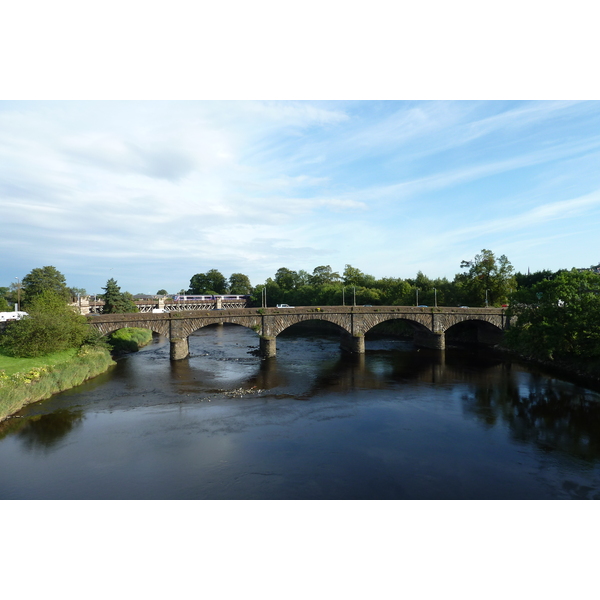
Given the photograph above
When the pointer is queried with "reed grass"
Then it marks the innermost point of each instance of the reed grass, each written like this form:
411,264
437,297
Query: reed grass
34,383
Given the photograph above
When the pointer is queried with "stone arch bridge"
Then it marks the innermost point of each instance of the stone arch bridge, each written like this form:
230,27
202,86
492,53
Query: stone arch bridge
429,324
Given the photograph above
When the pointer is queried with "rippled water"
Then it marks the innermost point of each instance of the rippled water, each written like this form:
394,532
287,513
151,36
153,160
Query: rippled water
311,423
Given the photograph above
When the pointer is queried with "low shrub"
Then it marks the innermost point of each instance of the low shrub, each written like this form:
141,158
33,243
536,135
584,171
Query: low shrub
129,339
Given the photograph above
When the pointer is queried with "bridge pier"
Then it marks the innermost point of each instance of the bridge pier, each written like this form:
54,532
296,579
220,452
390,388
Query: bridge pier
428,339
179,348
268,346
355,344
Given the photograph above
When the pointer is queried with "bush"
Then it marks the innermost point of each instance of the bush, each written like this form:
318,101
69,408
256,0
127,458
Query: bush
52,326
129,339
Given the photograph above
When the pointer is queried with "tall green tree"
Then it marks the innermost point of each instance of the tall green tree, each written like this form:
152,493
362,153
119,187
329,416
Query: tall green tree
212,281
116,301
286,279
486,277
41,280
324,274
239,284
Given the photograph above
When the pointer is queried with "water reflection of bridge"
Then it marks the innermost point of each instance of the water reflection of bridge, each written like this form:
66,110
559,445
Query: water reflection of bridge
429,325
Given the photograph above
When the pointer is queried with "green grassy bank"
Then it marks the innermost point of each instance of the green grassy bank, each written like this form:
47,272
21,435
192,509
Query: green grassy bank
26,380
129,339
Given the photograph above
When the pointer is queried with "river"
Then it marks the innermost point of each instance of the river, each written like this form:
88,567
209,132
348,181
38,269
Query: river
311,423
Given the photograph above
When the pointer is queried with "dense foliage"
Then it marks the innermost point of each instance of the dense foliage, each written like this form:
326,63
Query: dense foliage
129,339
42,280
116,301
558,317
52,326
212,282
487,278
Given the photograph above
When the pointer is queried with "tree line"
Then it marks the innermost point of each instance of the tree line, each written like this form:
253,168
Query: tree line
486,280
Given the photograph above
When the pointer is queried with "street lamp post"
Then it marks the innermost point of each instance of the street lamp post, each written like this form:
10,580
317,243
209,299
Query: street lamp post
486,298
435,297
343,296
354,288
417,301
18,293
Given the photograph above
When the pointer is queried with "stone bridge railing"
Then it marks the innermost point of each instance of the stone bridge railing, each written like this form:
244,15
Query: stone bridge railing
429,324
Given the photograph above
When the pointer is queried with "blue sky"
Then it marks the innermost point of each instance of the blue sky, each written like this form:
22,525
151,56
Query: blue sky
152,192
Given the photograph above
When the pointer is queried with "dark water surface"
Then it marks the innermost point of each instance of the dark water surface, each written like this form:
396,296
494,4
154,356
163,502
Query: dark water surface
311,423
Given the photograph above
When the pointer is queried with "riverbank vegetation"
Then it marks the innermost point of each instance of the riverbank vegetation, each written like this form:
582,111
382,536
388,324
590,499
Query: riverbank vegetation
23,381
129,339
557,320
49,351
52,326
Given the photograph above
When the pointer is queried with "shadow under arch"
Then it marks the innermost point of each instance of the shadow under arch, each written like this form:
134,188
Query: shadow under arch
312,325
474,332
418,332
399,327
217,325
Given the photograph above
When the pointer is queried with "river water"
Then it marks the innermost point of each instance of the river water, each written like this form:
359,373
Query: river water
311,423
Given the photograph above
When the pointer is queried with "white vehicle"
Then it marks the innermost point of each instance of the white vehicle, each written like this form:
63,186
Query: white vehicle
15,315
285,306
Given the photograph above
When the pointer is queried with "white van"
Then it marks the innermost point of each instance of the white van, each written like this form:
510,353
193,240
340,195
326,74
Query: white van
15,315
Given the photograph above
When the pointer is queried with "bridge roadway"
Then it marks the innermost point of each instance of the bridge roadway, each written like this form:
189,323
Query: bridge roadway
429,324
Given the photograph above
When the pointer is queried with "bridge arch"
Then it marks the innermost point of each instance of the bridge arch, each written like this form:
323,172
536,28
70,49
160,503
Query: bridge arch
280,324
154,326
192,325
475,331
419,325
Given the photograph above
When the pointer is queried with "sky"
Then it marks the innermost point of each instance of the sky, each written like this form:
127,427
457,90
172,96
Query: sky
151,192
250,137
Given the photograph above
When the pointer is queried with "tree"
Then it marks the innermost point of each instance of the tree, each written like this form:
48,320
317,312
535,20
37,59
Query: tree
239,284
162,293
52,326
115,301
76,292
323,274
558,317
531,279
286,279
41,280
210,282
487,278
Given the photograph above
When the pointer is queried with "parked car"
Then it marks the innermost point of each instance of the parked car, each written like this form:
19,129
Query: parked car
285,306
